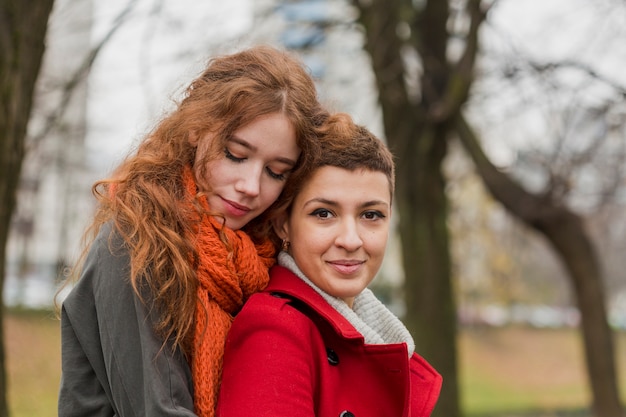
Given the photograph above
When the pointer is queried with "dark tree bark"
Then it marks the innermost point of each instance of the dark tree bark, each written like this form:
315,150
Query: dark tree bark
23,26
421,146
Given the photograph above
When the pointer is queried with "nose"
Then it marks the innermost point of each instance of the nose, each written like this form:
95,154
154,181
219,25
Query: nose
349,237
249,181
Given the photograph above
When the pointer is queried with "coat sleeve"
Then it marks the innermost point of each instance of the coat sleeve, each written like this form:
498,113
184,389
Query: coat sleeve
113,363
269,362
82,391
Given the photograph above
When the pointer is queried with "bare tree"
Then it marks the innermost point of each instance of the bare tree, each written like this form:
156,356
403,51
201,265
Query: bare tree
566,232
424,56
23,31
415,122
23,28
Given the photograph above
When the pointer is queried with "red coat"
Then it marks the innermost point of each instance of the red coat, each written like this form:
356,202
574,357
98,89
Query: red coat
290,354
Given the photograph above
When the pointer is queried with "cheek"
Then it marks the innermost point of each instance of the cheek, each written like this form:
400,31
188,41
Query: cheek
376,244
205,181
309,262
306,243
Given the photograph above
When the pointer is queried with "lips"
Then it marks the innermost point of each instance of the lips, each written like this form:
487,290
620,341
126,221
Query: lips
235,209
346,267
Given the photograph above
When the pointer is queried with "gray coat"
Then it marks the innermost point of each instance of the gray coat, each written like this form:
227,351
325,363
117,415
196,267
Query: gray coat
112,360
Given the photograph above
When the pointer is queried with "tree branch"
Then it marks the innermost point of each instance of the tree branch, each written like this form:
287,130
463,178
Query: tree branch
385,50
79,75
552,66
529,207
462,73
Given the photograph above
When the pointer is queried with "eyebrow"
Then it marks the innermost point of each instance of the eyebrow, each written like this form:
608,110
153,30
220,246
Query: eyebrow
334,203
253,148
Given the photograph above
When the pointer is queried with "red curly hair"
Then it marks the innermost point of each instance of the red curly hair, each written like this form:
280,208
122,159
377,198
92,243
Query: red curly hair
143,196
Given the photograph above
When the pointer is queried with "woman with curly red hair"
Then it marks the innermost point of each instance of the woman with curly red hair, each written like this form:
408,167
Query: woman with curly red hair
178,242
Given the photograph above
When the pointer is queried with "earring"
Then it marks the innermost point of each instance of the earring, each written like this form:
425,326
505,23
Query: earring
285,245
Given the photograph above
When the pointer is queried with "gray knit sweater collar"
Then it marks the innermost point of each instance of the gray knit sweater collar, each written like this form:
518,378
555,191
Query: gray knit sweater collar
368,315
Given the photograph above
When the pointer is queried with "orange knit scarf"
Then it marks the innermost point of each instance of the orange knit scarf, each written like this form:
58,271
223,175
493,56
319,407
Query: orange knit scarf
227,277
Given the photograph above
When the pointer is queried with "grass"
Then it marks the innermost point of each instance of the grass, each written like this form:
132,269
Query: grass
33,354
527,371
503,372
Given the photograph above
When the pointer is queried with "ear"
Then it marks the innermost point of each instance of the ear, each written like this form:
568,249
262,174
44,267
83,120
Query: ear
281,226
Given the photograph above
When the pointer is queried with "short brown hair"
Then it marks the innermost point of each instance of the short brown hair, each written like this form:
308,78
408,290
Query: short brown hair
343,144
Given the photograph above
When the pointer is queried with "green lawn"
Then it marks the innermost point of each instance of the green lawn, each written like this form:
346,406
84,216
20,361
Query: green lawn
33,352
527,371
504,372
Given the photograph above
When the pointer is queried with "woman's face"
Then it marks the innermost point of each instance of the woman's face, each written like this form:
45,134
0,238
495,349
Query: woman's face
251,172
338,229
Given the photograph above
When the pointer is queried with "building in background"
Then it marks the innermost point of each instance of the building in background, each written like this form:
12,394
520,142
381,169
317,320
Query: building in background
324,33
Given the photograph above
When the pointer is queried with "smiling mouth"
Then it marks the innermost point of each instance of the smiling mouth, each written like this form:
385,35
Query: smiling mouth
235,209
346,267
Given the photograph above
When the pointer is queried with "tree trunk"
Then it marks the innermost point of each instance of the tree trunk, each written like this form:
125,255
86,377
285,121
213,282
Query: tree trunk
431,312
420,145
566,233
23,26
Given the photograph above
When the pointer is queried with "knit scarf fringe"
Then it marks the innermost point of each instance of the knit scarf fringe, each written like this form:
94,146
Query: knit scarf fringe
228,275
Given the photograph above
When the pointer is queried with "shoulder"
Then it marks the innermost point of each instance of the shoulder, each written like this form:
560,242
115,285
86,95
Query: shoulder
108,246
105,272
267,309
285,284
271,332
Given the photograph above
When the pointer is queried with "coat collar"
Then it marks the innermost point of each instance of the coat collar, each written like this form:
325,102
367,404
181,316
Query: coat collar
283,281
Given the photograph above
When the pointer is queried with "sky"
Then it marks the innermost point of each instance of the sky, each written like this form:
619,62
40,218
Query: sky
148,62
547,31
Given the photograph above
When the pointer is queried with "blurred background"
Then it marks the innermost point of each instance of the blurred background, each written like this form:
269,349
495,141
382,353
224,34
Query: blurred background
508,120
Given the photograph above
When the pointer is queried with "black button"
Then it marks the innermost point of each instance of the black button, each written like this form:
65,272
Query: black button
346,413
332,356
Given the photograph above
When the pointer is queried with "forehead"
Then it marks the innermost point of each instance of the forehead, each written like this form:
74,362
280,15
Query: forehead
342,185
272,134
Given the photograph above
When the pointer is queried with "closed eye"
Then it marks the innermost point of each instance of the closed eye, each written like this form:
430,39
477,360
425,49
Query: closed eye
232,157
276,176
